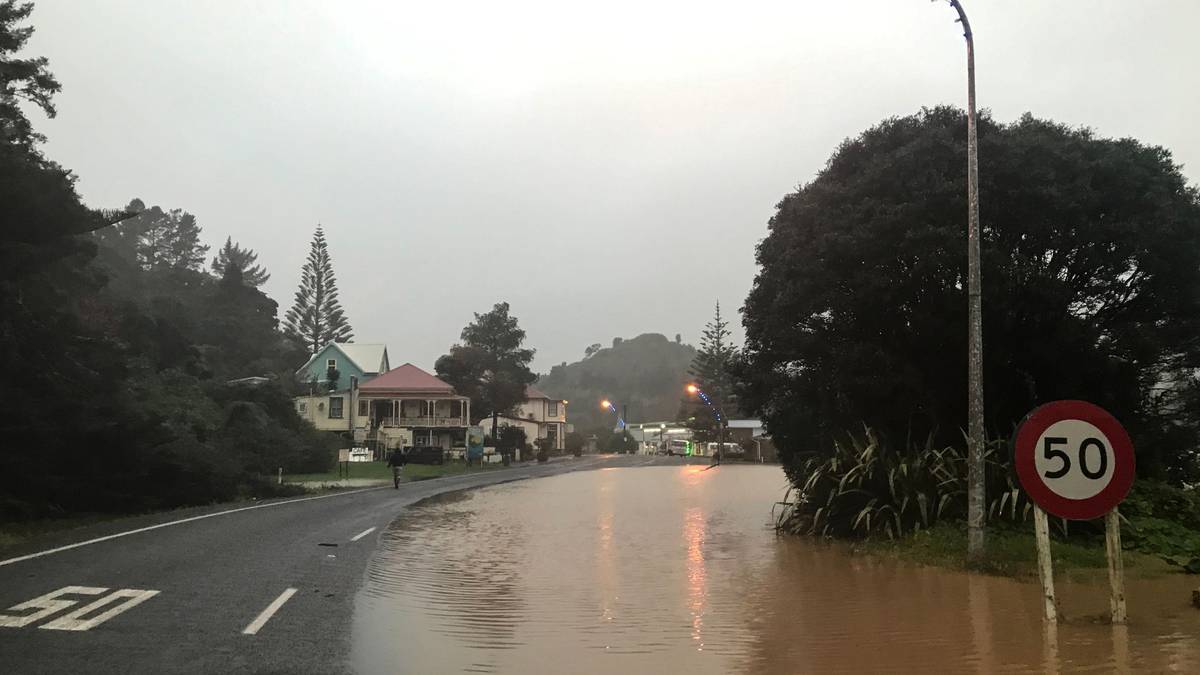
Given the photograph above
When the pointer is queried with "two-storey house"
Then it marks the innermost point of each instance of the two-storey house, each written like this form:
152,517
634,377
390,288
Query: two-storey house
541,416
409,403
403,407
362,362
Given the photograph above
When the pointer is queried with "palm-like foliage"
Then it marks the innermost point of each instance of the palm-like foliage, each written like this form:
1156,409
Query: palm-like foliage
866,488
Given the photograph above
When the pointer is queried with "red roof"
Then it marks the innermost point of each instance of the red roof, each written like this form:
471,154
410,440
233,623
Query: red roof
407,379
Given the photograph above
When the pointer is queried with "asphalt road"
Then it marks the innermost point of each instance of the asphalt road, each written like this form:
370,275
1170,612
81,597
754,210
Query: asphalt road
265,589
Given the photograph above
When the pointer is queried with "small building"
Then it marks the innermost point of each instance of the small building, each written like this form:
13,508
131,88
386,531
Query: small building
751,435
653,437
541,416
363,362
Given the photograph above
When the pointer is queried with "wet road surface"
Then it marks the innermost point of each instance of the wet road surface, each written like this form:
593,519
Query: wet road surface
675,569
264,589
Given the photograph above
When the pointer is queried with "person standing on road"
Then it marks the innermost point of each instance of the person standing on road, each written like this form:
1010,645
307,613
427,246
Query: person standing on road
396,461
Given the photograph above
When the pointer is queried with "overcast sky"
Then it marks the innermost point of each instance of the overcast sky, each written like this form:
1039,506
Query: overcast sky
606,168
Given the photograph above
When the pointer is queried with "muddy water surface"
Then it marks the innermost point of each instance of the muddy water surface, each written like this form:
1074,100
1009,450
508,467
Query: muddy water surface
675,569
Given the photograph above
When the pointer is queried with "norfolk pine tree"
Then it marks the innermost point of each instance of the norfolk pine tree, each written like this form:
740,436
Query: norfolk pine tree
316,318
710,371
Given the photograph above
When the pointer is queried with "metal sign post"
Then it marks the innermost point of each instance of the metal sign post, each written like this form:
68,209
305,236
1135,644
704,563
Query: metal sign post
1075,461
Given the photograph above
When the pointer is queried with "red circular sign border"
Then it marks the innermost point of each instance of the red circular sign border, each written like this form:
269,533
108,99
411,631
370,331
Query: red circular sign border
1025,449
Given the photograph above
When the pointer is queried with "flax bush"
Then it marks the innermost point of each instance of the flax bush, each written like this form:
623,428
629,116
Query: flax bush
867,489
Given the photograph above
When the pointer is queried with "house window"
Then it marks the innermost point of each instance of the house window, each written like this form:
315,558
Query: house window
362,409
552,409
456,409
331,364
335,407
301,407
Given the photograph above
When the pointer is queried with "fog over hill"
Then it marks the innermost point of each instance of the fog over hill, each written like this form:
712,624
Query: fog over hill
646,373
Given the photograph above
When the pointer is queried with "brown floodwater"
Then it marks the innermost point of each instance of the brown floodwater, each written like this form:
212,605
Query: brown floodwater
676,569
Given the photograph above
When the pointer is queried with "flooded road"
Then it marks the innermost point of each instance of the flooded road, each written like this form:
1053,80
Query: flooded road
675,569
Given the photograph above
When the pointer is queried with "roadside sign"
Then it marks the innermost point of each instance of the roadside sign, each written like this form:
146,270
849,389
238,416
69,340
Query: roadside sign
1073,459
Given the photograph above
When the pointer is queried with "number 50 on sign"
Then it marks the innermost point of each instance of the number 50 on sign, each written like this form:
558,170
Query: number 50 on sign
1073,459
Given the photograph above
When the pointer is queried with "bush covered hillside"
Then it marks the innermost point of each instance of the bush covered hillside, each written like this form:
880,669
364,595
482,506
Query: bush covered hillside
646,373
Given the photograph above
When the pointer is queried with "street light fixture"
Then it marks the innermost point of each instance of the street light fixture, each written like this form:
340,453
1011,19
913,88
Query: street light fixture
608,405
716,409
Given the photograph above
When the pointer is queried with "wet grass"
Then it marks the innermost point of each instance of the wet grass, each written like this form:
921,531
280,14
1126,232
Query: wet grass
1011,552
357,470
382,472
15,534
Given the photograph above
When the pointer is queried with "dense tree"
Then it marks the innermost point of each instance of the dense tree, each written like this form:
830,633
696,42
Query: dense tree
239,327
317,318
490,365
21,79
245,259
1091,269
574,442
710,371
159,240
106,363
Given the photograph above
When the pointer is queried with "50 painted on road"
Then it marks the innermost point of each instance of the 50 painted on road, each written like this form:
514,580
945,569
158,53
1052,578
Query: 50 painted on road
85,618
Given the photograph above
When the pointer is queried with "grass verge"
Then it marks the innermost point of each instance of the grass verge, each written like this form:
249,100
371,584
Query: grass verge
381,471
1011,552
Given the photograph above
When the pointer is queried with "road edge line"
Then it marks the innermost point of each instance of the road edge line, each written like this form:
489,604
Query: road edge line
170,523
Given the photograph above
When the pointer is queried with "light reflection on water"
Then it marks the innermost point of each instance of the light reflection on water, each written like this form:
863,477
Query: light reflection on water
674,569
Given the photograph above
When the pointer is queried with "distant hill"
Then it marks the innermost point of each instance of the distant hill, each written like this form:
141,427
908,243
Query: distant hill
646,373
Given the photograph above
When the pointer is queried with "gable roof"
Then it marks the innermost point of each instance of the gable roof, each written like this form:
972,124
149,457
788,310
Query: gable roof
533,393
369,358
407,379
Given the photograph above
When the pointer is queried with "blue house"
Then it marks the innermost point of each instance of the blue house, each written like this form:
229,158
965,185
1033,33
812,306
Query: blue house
349,359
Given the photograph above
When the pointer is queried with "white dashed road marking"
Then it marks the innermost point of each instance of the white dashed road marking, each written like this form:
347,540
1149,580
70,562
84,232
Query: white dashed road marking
362,534
262,619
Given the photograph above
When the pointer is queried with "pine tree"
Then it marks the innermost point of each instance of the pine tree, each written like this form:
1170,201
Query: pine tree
159,239
710,371
245,259
316,318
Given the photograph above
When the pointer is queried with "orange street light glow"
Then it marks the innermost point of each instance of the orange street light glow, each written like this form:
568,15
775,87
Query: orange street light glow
605,404
691,388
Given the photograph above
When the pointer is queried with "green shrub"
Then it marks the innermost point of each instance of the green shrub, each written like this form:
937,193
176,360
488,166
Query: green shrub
866,488
1162,500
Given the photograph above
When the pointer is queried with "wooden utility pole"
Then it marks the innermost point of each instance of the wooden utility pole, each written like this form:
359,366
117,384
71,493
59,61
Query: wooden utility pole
1041,533
1116,566
976,499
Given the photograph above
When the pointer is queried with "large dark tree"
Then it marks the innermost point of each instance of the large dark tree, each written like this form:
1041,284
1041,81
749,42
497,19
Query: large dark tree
317,318
245,259
1091,278
490,366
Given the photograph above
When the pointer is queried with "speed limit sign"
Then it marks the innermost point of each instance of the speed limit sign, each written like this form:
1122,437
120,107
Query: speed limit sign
1073,459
